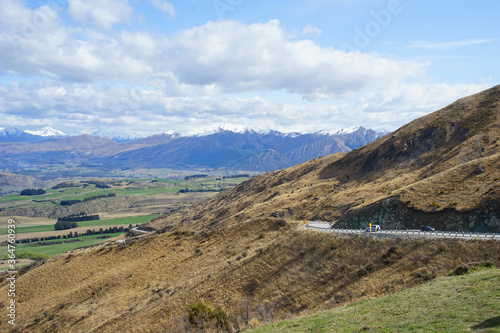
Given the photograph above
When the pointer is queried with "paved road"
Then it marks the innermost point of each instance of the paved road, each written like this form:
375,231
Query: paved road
325,227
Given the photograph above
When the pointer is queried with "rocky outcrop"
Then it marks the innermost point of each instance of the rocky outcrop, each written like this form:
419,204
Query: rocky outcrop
392,213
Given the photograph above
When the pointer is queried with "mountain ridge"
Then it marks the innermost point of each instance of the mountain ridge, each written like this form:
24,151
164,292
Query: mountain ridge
223,149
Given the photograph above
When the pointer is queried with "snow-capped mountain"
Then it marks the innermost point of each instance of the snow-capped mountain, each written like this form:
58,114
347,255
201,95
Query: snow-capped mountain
223,146
116,136
204,131
46,132
341,131
240,129
237,148
15,135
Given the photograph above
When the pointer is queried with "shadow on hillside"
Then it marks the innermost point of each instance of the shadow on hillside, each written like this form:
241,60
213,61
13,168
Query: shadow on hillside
490,323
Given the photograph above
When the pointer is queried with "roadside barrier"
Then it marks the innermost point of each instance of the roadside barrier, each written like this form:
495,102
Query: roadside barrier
326,227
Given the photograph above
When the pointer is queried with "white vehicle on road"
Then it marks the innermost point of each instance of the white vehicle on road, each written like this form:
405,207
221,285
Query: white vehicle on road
372,228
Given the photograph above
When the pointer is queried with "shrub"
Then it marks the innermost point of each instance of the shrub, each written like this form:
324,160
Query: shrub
63,225
82,217
30,255
69,202
281,222
32,191
202,314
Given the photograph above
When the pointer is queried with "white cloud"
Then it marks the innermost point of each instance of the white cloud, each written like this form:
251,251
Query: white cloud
448,45
164,6
217,57
74,107
80,77
312,30
101,13
235,57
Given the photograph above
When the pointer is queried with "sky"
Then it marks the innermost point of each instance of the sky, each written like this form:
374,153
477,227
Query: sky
142,67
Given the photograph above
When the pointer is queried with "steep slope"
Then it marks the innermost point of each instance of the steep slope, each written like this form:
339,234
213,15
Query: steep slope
265,269
467,130
418,309
442,169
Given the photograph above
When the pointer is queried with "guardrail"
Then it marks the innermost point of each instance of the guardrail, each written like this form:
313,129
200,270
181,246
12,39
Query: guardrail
326,227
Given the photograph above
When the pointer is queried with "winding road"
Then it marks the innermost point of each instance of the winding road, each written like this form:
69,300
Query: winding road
326,227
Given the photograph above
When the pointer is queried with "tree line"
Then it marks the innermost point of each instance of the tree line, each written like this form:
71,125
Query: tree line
186,190
195,176
76,201
97,183
33,191
76,234
78,218
70,221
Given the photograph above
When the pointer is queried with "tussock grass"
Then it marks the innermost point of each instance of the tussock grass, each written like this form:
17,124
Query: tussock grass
448,304
149,283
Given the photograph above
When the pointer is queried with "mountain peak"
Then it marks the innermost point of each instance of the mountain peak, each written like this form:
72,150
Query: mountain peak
223,127
343,131
46,132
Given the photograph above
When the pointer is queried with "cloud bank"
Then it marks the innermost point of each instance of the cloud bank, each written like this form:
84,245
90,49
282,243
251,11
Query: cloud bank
70,68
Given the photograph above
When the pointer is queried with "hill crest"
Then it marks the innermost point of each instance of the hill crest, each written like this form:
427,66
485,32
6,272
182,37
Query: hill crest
447,160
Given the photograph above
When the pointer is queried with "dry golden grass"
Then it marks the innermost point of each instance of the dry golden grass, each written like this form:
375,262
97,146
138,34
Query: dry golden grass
23,221
259,270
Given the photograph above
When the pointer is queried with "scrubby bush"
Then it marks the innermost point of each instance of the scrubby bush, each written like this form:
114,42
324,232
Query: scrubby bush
63,225
95,197
82,217
32,191
202,315
30,255
69,202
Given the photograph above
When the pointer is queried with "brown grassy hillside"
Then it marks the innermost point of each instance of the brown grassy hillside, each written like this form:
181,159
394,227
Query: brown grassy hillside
10,182
257,271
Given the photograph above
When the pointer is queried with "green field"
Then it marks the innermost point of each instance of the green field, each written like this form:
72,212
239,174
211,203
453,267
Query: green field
122,187
118,221
130,190
449,304
97,223
52,250
55,249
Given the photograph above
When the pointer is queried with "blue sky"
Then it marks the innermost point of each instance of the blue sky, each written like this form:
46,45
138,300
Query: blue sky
152,66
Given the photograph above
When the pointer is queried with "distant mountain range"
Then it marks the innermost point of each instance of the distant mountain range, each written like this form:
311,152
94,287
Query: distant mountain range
16,135
222,147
